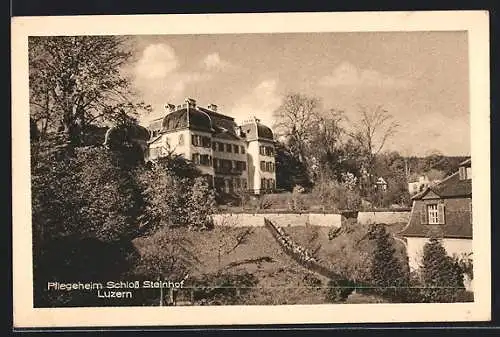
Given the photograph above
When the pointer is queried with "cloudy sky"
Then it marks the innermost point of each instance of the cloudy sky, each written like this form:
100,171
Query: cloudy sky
421,78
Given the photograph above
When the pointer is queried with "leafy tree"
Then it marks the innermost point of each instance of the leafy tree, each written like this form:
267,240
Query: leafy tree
172,200
290,172
76,81
441,276
83,206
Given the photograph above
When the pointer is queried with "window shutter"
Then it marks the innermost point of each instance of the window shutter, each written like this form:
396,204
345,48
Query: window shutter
423,215
461,173
441,214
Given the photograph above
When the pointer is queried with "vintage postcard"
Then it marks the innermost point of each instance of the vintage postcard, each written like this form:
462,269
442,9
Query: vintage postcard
221,169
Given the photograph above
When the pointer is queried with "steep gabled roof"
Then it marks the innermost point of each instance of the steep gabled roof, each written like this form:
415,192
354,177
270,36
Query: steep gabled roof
450,187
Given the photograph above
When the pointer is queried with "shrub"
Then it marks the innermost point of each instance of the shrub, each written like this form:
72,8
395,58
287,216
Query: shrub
174,201
312,281
339,290
223,288
166,254
386,271
440,275
85,206
332,195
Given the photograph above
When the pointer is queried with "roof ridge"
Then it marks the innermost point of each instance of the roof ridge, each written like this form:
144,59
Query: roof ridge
432,187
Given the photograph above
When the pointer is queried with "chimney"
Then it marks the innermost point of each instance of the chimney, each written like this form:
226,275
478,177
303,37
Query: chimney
238,131
213,107
191,103
170,107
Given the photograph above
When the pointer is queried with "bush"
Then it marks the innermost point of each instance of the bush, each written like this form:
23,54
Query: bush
387,272
440,275
175,201
166,254
223,288
339,290
332,195
85,210
88,194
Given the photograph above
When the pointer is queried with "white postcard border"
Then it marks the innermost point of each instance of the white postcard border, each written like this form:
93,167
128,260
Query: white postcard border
475,22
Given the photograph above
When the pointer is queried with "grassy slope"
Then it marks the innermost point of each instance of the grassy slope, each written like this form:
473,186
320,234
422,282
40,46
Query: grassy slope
333,253
281,279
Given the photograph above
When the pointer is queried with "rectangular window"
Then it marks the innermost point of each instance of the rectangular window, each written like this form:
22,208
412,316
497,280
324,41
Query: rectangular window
226,164
199,140
433,214
262,165
263,184
229,148
262,150
243,165
243,183
216,163
206,142
196,158
242,150
214,146
237,183
236,149
468,173
205,160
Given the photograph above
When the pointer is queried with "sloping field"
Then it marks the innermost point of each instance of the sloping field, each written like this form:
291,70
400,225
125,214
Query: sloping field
281,279
348,247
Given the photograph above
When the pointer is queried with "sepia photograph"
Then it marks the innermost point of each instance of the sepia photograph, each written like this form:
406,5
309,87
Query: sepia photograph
191,170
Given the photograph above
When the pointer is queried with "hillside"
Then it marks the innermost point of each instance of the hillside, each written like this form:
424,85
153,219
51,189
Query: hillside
280,279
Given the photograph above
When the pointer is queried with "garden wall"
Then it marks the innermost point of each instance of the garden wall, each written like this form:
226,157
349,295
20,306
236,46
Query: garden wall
281,219
388,217
284,219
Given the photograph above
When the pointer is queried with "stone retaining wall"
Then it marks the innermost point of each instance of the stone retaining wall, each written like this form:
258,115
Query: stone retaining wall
305,219
281,219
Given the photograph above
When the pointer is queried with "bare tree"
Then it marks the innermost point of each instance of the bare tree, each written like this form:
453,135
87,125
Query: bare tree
372,131
295,121
325,141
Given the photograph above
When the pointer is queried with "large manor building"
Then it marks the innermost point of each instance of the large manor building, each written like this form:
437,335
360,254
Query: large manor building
236,158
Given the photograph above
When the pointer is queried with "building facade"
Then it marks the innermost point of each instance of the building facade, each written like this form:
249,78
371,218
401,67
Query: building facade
236,158
444,210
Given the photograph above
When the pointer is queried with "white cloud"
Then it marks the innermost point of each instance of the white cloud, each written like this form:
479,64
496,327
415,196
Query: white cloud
213,61
157,61
260,102
158,77
346,74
